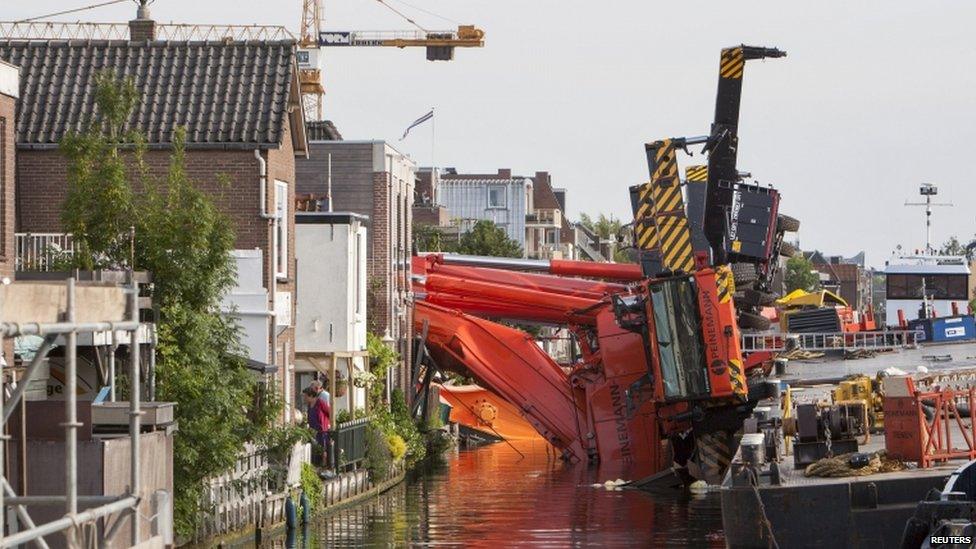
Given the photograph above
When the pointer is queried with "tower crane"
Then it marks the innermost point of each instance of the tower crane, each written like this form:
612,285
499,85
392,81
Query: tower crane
440,46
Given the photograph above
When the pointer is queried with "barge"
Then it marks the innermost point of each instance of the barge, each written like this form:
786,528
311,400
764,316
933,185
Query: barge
769,501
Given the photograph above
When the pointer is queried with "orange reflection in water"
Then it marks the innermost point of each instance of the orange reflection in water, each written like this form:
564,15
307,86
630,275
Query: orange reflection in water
492,497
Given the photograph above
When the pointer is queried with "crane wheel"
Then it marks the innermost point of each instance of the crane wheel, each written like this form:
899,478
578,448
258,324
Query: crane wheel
787,250
753,297
753,321
743,274
787,224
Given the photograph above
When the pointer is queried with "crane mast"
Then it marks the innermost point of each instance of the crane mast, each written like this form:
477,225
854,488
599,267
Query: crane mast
309,70
439,44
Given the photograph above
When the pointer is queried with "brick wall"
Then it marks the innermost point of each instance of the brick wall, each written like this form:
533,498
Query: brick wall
231,177
378,259
7,185
388,267
281,167
431,215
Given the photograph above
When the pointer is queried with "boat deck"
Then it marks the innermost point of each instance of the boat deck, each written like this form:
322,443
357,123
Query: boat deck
867,511
831,366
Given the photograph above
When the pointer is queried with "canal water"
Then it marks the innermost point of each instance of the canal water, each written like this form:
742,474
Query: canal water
493,497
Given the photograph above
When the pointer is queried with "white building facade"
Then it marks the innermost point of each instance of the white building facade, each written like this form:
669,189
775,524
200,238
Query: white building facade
503,201
331,318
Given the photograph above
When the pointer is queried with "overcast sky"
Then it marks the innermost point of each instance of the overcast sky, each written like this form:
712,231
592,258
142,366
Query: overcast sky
874,97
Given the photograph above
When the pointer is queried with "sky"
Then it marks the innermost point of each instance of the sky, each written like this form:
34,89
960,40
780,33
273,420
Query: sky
874,98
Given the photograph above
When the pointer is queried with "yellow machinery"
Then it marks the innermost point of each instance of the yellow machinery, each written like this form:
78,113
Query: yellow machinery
863,390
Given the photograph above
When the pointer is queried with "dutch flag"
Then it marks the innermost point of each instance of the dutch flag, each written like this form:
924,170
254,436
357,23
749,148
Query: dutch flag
418,122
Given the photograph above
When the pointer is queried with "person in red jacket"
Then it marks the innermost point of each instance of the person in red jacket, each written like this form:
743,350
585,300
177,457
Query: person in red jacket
319,420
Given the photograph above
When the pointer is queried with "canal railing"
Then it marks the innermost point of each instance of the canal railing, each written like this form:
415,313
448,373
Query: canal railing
252,493
349,444
830,341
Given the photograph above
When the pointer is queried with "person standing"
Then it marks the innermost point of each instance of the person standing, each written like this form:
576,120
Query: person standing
323,394
319,419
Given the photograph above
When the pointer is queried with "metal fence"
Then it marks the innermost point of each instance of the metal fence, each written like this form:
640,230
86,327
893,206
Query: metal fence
830,341
42,251
349,443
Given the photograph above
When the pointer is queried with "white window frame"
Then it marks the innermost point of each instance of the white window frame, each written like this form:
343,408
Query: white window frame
281,229
504,193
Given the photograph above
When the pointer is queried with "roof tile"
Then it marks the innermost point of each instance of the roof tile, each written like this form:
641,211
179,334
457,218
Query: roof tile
224,93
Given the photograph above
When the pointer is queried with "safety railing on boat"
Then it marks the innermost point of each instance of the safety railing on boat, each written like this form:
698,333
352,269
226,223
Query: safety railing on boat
830,341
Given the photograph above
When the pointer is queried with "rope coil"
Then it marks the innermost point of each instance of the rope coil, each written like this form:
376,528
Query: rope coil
840,466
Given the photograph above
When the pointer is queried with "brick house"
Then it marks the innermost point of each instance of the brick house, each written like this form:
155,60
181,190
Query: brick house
546,228
846,277
373,179
9,91
241,106
426,209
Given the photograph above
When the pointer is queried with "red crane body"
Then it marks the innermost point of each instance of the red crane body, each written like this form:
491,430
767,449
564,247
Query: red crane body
649,352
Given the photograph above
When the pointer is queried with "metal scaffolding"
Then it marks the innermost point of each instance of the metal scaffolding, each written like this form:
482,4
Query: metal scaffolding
125,506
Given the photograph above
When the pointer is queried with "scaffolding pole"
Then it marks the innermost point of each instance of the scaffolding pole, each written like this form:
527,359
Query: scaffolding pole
105,506
135,414
71,417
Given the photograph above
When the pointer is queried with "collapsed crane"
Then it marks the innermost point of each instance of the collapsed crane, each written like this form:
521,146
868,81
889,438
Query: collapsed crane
659,363
659,376
724,219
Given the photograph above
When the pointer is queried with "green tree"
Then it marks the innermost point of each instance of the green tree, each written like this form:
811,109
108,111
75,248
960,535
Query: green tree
800,274
954,247
428,238
98,207
182,238
607,228
486,238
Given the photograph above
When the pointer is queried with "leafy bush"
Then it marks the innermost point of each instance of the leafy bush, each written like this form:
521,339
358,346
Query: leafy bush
392,420
278,442
311,485
378,455
398,447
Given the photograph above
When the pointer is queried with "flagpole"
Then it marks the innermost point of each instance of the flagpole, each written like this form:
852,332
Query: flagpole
433,120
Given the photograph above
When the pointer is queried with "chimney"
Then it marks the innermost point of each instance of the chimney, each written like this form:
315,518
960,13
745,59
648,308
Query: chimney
504,173
142,28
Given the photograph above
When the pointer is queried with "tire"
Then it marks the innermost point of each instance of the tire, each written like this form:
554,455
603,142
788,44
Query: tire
787,250
787,224
756,297
752,321
743,274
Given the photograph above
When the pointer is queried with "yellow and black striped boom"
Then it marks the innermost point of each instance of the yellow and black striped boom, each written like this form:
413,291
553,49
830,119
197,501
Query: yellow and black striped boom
661,230
724,141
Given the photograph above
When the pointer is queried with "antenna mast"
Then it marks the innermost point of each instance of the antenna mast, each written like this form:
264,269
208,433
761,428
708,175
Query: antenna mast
928,190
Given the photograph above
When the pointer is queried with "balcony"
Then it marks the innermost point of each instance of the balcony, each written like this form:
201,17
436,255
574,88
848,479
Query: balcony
43,252
550,251
544,218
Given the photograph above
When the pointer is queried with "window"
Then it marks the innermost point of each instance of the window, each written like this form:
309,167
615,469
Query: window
679,344
496,196
281,229
937,286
